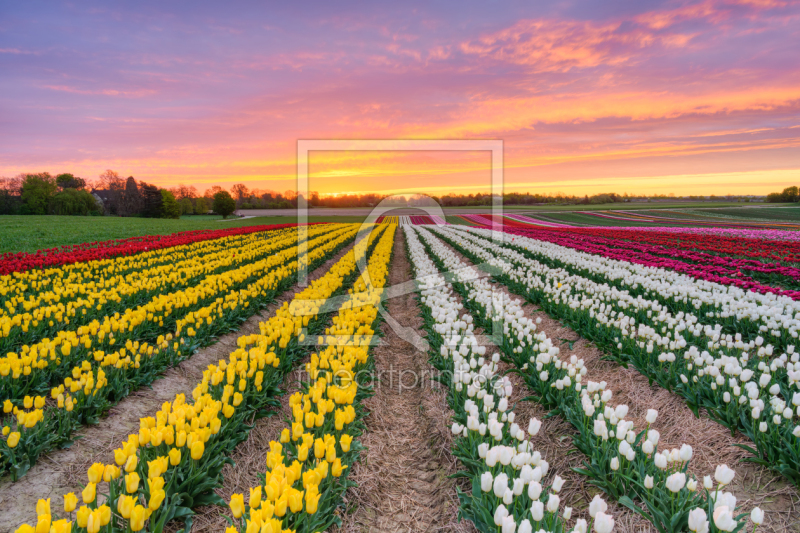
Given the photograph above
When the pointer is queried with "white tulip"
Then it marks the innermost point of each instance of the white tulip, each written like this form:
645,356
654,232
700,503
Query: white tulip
500,485
525,527
567,513
553,502
603,523
723,519
648,482
757,516
724,499
676,482
499,514
534,490
724,475
508,497
557,484
580,526
698,521
486,481
615,463
533,427
651,416
509,524
660,460
648,447
537,511
597,505
685,453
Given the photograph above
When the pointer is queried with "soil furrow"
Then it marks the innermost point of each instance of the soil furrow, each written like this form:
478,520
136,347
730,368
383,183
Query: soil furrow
402,477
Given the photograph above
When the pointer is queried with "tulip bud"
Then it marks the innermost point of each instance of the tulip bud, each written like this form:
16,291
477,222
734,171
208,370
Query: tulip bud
757,516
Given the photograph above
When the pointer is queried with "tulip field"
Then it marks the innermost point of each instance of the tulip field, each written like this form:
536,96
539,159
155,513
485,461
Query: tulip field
708,319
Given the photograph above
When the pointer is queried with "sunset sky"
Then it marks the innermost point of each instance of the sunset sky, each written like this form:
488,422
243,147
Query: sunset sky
587,96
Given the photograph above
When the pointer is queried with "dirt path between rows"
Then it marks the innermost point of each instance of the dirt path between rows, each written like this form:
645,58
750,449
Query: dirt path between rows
64,471
402,477
711,442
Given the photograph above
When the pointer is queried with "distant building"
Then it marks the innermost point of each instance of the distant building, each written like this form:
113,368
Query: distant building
103,197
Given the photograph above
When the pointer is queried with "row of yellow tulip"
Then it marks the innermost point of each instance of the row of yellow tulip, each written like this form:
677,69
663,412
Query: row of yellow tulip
180,451
92,388
40,365
63,282
29,318
307,470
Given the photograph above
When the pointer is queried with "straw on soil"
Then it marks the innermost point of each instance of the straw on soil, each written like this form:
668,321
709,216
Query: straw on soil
403,483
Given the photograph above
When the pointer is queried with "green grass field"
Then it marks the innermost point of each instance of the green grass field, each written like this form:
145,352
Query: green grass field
31,233
787,214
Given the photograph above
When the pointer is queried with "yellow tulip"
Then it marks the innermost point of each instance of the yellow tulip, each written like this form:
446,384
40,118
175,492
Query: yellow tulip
105,514
43,507
295,499
95,473
280,506
120,456
181,439
25,528
82,516
27,402
252,527
197,450
345,442
43,524
312,499
111,472
70,502
132,482
237,505
93,523
131,463
255,497
7,408
13,439
156,499
285,435
319,448
137,518
89,493
125,505
61,526
174,457
337,468
144,436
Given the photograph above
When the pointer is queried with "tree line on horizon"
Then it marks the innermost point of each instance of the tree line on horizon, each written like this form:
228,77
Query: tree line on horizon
67,194
788,195
110,194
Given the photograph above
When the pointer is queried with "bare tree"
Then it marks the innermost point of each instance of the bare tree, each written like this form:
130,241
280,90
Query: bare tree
240,191
115,187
